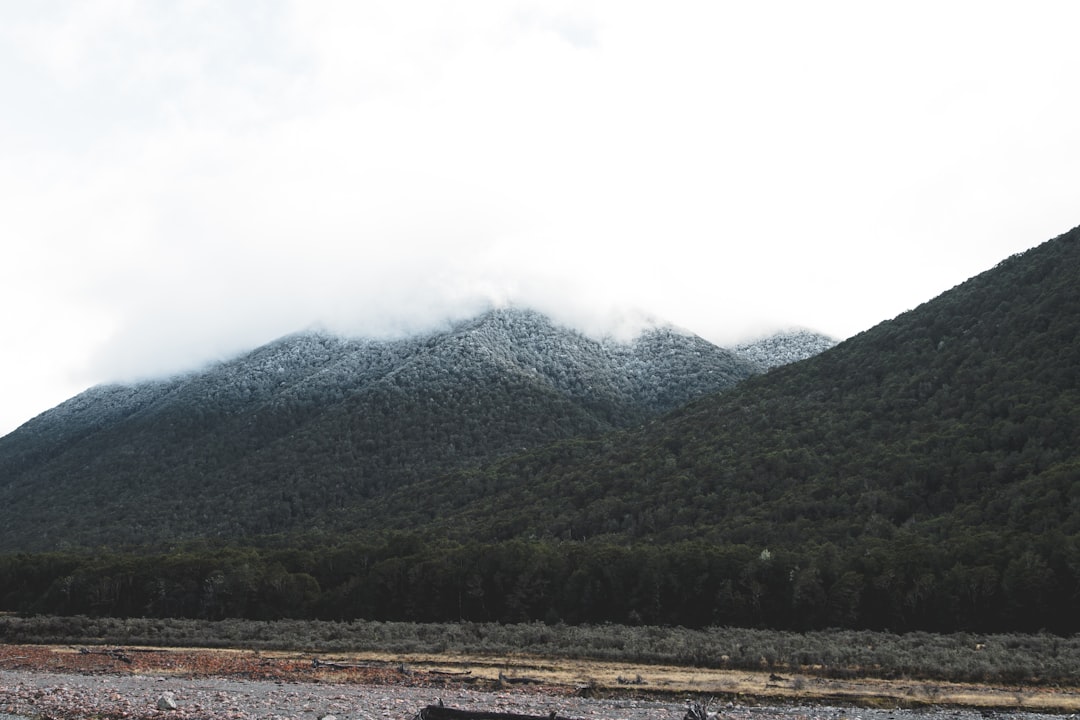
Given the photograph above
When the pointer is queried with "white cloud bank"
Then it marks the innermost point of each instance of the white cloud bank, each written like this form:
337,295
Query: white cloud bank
184,180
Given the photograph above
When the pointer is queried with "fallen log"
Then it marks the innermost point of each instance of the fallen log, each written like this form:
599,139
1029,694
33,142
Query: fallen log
450,673
114,654
317,663
437,712
520,680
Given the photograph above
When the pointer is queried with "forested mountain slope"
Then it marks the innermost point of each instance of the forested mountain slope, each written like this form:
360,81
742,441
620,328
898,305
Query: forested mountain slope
966,409
272,440
925,473
969,402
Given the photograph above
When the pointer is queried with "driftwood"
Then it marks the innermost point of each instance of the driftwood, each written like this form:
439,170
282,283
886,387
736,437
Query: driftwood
520,680
450,673
317,663
114,654
698,711
438,712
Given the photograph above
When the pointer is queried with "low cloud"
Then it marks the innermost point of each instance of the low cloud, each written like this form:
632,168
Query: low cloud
184,182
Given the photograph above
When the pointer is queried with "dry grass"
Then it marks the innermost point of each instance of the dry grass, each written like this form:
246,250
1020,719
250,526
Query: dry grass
746,686
549,675
1030,672
1026,660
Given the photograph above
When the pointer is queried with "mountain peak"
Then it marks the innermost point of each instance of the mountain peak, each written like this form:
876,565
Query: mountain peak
785,347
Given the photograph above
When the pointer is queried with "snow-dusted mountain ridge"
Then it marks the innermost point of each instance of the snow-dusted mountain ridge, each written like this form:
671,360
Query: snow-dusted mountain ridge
661,367
313,420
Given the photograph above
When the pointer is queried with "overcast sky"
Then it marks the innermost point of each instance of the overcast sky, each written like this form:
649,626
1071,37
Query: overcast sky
181,181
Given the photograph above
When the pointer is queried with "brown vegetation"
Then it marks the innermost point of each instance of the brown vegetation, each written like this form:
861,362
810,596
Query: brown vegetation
1042,660
547,676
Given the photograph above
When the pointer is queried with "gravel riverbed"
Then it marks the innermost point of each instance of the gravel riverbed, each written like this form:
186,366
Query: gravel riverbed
67,696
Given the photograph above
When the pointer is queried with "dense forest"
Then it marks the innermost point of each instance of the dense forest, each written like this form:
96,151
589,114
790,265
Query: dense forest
924,474
904,583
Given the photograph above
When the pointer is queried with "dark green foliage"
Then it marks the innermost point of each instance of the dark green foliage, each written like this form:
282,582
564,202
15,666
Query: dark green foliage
903,584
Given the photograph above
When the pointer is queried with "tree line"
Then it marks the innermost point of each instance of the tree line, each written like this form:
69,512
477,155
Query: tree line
981,584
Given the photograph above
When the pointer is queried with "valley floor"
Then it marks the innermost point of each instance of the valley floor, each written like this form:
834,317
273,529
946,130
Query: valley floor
65,682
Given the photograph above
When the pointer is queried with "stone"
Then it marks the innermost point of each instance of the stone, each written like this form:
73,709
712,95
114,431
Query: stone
167,701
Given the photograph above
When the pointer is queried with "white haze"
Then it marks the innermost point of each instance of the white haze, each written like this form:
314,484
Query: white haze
185,180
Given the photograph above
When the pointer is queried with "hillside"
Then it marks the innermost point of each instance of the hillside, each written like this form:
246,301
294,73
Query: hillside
967,407
923,475
272,440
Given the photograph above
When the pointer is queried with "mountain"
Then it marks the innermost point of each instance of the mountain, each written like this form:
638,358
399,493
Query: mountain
922,475
962,412
784,348
270,441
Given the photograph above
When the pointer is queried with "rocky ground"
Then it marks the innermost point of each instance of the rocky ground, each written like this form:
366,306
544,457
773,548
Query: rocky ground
44,683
